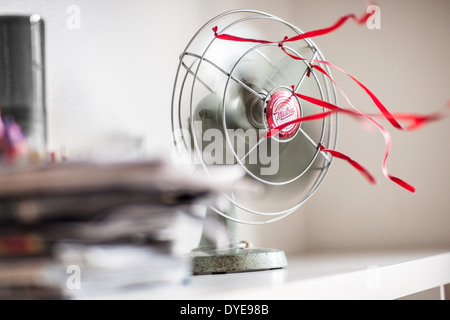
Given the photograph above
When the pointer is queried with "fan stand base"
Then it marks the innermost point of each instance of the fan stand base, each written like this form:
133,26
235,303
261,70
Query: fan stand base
213,261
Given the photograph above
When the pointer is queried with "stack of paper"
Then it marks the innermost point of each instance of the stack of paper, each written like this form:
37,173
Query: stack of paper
79,229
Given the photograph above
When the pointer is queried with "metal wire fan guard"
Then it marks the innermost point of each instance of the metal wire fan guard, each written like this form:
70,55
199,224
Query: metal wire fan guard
223,89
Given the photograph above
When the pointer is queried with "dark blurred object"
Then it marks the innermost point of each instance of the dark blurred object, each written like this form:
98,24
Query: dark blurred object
22,76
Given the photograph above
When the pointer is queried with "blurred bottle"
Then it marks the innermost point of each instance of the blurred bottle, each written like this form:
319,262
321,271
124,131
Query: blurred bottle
22,77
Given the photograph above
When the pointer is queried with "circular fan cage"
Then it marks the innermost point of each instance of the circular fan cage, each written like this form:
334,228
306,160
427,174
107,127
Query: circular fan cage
221,95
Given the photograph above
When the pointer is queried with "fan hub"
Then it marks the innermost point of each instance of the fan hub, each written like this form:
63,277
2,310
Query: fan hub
282,108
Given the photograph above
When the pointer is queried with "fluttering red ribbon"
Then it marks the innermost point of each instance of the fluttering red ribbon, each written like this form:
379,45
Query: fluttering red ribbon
416,121
377,102
310,34
385,113
354,163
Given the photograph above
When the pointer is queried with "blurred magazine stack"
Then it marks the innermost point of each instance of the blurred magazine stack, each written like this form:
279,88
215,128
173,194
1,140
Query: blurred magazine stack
75,230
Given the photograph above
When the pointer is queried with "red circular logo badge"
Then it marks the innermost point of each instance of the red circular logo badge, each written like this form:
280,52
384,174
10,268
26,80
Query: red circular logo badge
282,108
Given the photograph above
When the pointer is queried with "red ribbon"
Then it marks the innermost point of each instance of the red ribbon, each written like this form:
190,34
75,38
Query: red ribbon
377,102
234,38
333,108
315,33
416,121
310,34
354,163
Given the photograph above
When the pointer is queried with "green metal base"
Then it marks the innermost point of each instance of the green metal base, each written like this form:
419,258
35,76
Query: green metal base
211,261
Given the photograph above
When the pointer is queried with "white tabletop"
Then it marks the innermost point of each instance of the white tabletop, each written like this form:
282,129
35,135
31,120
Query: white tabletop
319,275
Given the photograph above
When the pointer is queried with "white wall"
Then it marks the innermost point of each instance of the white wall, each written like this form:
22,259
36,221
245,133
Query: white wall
114,77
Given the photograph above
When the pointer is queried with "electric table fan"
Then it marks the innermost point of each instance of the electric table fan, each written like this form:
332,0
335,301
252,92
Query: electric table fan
227,96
